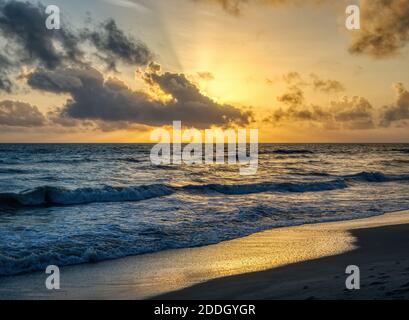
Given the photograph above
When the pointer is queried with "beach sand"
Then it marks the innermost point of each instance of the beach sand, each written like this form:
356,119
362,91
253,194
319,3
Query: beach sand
302,262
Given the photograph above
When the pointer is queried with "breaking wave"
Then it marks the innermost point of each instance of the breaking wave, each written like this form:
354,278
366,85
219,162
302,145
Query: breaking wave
58,196
49,196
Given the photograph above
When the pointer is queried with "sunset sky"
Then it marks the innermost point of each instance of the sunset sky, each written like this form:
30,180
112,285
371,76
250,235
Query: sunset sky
117,69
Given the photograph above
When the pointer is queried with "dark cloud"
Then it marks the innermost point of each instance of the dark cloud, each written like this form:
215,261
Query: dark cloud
113,45
22,30
57,117
22,24
64,80
20,114
399,111
93,98
29,42
5,83
153,67
384,28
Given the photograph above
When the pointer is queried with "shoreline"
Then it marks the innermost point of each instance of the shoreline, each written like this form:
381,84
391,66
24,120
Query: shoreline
299,262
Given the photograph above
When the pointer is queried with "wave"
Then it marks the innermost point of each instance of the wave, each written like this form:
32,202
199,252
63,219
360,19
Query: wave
117,244
129,159
268,186
13,171
292,151
54,196
308,174
66,161
165,167
394,162
400,150
376,177
58,196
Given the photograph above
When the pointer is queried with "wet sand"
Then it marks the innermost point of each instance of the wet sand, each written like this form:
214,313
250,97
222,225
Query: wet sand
303,262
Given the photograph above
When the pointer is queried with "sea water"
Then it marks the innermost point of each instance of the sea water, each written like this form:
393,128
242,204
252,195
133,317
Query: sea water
67,204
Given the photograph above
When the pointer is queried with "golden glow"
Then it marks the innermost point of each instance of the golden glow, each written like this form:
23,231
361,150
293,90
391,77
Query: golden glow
246,57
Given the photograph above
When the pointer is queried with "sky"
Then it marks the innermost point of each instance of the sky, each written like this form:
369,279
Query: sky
118,69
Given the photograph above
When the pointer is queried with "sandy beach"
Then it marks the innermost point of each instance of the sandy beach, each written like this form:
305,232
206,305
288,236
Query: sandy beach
302,262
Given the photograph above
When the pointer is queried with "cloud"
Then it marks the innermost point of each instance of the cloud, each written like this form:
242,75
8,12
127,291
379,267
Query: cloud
22,24
296,113
57,117
353,113
236,7
293,97
113,45
384,23
231,6
347,113
295,94
67,81
292,77
327,86
97,99
20,114
5,83
29,42
206,76
128,4
399,111
384,28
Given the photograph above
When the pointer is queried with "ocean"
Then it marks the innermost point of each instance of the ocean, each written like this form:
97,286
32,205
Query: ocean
67,204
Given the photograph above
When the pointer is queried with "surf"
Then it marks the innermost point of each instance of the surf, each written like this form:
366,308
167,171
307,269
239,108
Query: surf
59,196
